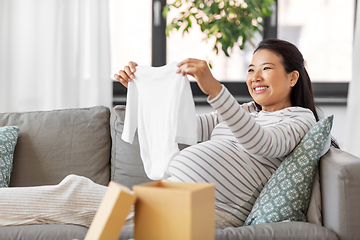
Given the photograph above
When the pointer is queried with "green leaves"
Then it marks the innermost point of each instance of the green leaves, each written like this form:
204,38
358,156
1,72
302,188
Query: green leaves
230,22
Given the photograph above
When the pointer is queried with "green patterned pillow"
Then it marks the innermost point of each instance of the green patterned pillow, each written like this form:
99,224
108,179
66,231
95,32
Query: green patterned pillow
8,139
286,196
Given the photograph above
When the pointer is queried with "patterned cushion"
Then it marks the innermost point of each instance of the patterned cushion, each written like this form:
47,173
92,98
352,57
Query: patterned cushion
8,139
286,195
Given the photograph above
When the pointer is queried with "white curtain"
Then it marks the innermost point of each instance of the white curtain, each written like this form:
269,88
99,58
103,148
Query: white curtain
352,138
54,54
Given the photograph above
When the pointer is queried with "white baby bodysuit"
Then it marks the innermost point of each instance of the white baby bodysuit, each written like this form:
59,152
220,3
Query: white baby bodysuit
160,105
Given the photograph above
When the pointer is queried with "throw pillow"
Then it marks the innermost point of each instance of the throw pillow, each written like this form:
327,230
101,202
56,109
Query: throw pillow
126,165
286,195
56,143
8,139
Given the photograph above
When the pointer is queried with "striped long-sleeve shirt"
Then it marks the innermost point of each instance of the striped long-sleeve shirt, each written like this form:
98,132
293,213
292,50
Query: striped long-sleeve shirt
240,149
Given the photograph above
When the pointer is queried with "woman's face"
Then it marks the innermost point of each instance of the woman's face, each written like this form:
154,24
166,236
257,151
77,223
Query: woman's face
268,82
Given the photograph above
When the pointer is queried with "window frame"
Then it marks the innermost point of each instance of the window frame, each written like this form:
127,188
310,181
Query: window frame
325,93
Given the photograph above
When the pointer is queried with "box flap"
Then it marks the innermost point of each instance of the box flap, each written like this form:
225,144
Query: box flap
112,213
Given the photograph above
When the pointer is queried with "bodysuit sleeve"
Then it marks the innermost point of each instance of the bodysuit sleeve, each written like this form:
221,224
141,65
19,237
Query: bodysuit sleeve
186,119
131,113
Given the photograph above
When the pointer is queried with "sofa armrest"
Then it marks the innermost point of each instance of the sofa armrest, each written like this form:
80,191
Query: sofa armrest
340,190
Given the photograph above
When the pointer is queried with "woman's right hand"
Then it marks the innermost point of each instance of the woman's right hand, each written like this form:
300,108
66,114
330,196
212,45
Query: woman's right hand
127,75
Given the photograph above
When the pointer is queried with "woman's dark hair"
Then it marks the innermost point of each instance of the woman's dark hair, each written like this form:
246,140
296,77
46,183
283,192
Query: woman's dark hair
302,94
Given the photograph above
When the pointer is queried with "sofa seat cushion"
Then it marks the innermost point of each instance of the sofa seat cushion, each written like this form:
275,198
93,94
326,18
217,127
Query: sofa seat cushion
277,231
54,144
43,232
267,231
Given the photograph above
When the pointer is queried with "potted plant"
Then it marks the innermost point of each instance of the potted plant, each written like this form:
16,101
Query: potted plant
231,22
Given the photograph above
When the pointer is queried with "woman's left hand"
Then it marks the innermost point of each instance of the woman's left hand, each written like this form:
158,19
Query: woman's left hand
199,69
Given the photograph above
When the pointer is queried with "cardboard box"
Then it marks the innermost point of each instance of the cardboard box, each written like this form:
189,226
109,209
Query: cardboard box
174,211
112,213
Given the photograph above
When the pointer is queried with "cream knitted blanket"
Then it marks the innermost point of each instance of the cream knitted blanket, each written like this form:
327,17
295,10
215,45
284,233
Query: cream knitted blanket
73,201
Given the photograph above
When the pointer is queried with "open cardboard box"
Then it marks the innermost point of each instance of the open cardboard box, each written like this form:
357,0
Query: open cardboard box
176,211
163,211
111,214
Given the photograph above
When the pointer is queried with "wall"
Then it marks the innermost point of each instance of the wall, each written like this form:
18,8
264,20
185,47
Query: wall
338,130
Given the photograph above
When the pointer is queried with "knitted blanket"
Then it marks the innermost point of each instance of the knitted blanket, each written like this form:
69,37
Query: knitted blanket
73,201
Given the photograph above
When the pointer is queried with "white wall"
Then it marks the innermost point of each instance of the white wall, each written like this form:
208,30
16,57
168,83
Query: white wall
338,130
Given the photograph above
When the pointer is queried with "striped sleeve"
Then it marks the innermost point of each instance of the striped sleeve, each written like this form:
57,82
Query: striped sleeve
273,140
206,123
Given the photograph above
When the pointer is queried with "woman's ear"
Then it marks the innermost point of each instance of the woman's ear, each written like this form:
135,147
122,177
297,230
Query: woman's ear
294,76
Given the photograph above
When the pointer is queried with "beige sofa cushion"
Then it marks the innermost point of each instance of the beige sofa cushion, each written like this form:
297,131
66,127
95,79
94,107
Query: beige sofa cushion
54,144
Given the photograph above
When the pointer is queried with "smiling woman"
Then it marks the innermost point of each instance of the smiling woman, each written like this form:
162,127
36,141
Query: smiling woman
241,146
288,65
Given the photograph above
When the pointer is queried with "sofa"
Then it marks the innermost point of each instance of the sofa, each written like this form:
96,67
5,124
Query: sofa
87,142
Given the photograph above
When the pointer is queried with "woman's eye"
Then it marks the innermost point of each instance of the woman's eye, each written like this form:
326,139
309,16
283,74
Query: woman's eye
266,68
250,70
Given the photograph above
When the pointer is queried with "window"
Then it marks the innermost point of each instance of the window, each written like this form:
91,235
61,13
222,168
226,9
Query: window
193,45
323,31
233,68
130,33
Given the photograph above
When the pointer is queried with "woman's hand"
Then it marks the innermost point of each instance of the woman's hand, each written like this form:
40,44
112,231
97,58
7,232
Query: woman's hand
127,75
200,71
